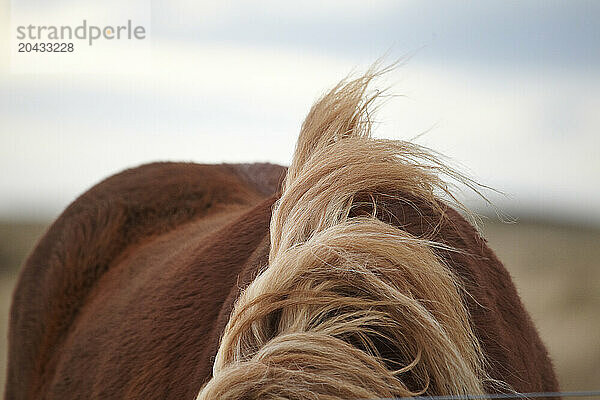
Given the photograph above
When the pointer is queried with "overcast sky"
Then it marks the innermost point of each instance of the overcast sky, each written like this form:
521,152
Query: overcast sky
509,90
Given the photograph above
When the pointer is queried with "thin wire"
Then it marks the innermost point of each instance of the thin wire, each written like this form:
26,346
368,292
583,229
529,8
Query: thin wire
502,396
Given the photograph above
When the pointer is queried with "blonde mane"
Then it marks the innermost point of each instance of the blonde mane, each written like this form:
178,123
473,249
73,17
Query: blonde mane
350,307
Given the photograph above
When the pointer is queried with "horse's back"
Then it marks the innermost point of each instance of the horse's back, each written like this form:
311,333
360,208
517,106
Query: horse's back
514,351
128,293
123,272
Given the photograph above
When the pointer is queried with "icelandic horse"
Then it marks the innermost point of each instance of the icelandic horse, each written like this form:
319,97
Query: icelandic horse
348,275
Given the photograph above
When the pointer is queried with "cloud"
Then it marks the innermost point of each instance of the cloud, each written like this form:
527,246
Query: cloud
236,88
490,33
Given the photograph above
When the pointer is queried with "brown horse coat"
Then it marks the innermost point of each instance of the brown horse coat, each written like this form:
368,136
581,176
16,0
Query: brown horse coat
129,290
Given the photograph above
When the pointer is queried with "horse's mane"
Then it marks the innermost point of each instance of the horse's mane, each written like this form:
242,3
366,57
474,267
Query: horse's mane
350,306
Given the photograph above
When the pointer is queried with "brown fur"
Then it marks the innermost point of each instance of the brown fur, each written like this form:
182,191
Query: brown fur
128,293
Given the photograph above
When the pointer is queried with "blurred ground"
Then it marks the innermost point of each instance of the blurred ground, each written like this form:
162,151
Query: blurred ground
555,267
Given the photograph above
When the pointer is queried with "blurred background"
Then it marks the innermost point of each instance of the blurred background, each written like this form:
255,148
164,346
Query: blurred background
510,91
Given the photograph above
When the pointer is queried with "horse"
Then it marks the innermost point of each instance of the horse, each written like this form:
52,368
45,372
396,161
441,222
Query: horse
354,273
